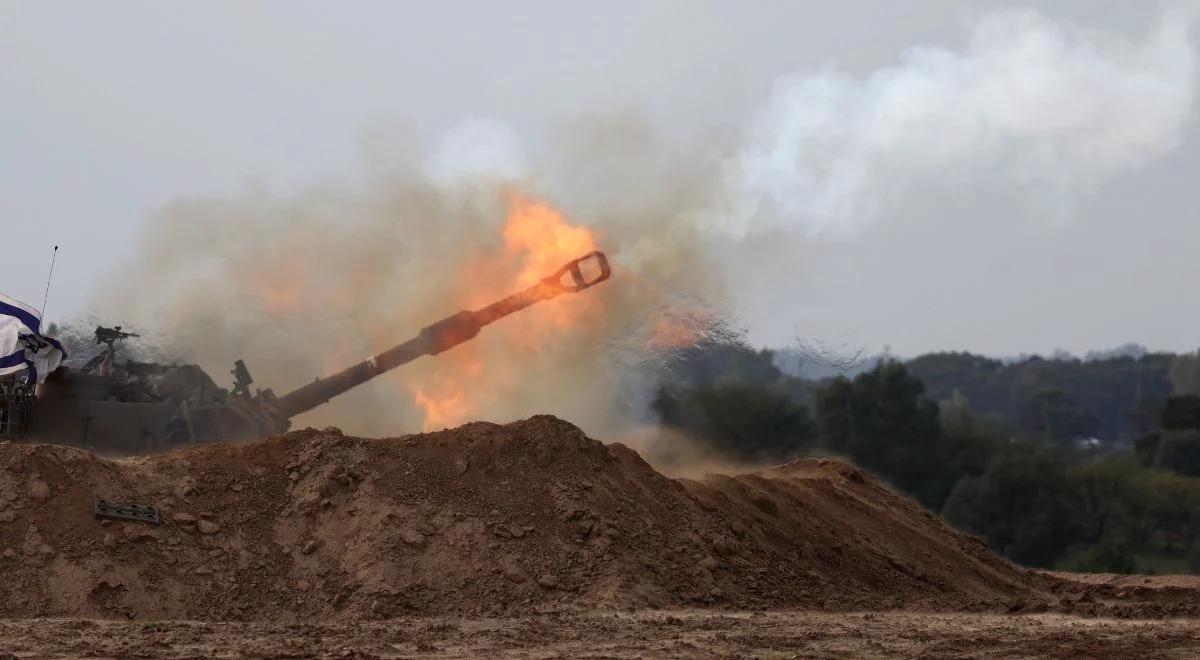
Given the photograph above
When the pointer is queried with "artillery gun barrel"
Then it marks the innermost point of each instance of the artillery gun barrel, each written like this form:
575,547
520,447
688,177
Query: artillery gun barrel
445,334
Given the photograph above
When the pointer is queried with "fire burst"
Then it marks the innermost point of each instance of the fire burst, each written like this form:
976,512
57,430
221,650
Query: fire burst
538,239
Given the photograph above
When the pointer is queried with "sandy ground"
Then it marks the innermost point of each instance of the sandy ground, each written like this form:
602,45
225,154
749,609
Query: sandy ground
1129,581
523,540
690,634
483,520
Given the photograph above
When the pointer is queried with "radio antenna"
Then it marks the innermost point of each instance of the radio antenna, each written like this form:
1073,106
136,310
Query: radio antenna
46,297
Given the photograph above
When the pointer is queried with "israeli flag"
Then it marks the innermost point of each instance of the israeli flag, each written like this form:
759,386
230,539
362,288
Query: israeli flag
22,345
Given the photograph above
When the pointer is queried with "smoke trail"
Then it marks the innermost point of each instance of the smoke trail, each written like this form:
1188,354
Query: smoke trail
1026,99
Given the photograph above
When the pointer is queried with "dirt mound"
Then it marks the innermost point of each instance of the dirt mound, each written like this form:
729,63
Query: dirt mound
479,519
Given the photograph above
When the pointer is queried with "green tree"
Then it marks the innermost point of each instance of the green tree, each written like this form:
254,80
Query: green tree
741,420
1117,389
1162,510
882,421
1054,415
1019,504
1107,557
969,441
1100,492
1145,448
1184,373
1179,451
1181,412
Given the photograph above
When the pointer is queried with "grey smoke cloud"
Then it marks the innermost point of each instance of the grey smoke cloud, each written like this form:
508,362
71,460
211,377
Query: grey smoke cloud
301,284
1026,98
477,150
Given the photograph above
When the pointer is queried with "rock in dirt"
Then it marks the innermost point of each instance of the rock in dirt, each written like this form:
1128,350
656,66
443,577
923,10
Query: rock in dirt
514,574
412,536
140,533
39,491
207,527
185,488
182,518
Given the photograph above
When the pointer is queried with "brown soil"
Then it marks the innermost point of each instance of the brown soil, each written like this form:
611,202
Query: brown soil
641,634
486,519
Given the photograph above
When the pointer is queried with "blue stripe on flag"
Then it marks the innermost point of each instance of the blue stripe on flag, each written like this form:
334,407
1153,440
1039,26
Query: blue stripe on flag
31,321
13,359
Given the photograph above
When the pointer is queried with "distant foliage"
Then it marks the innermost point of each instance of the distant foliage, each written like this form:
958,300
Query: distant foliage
1176,447
735,400
1019,504
1107,398
1053,414
1004,450
969,441
883,422
1181,412
1107,557
1184,373
1179,452
748,422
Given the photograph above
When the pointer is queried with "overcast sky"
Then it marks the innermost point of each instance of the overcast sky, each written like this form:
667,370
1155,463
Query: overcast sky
110,110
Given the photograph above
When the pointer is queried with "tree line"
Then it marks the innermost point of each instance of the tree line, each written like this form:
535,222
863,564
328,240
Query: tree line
1058,463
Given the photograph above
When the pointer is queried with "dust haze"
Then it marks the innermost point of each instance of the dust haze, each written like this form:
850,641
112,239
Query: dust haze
303,285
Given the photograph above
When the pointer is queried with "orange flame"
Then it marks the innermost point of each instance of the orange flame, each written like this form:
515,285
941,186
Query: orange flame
278,280
679,329
444,399
442,409
541,236
278,289
538,240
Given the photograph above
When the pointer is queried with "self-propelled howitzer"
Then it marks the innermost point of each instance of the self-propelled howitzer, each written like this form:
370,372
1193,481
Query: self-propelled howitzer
137,407
451,331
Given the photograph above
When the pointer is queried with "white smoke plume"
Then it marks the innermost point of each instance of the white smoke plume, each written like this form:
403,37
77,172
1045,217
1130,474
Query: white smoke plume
477,151
1026,98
